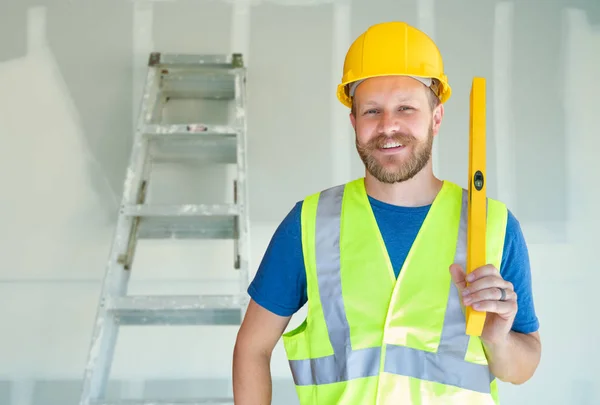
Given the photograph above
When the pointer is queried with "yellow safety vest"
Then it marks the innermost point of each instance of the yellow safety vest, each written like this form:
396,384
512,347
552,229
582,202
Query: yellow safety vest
370,338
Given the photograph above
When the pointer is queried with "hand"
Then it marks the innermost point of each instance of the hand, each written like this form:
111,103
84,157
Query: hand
483,294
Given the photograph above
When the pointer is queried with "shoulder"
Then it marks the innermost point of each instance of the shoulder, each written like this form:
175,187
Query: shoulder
515,246
513,227
514,239
280,281
515,254
516,268
290,225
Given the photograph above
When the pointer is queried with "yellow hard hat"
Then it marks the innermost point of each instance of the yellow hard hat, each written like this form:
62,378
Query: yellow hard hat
393,48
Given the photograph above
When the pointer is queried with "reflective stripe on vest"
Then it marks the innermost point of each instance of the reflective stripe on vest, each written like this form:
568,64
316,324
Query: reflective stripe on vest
446,366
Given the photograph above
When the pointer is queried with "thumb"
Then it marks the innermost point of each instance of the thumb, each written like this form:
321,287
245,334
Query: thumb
458,276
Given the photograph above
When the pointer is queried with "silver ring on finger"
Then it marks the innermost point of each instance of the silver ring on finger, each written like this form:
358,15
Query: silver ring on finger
503,292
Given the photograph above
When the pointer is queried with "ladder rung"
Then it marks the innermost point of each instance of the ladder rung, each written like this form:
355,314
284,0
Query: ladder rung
200,130
177,310
192,84
208,401
219,61
171,210
199,142
188,227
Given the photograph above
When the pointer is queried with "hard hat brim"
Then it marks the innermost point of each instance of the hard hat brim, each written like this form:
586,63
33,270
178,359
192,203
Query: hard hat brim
445,91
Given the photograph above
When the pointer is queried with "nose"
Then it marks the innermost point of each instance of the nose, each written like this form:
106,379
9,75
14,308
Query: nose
389,123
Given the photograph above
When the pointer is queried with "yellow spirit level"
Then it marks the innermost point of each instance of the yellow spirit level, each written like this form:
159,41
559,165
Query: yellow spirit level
476,228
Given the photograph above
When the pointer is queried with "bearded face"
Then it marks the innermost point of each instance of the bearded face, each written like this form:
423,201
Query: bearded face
396,157
395,124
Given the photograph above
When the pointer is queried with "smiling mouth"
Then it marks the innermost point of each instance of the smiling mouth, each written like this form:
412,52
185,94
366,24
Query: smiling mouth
391,147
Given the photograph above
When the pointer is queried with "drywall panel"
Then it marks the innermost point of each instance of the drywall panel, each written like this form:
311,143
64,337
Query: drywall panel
591,8
344,155
191,26
5,392
94,77
13,30
501,165
567,373
289,92
56,221
466,40
582,63
364,15
540,126
92,45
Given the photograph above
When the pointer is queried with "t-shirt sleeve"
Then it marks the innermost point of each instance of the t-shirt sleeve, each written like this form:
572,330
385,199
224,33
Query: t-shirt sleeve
280,281
516,268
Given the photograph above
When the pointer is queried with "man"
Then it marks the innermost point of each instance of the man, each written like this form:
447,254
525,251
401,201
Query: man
380,261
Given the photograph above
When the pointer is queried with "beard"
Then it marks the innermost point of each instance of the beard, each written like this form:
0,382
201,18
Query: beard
393,168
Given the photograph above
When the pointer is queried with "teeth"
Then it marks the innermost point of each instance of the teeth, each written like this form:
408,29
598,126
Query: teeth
392,145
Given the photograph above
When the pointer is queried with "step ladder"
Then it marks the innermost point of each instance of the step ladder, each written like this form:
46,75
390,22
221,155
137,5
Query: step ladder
171,78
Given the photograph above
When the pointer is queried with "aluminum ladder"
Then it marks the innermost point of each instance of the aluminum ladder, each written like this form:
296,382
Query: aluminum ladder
172,77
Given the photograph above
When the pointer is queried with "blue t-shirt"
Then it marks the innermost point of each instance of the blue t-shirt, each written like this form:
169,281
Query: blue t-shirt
280,282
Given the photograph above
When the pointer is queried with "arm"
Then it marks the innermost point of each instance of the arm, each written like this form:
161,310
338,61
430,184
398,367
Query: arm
277,292
260,331
515,359
510,337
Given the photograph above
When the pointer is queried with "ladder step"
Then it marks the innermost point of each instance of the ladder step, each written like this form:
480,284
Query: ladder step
198,76
185,221
208,401
218,61
188,227
177,310
199,130
171,210
189,85
208,143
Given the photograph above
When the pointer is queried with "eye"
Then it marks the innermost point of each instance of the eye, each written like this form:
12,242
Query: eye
370,111
405,108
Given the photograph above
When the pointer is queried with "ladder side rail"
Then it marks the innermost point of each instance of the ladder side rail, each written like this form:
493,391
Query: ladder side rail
242,189
113,300
115,280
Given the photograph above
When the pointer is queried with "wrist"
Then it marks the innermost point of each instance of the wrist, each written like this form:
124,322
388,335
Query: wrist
497,344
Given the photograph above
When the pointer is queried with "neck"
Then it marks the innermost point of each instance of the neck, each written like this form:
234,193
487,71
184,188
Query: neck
418,191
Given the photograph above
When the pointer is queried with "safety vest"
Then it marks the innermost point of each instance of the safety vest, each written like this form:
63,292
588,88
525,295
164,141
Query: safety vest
370,338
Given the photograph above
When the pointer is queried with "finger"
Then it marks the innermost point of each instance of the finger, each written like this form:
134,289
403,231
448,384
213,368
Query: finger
458,276
505,309
488,282
483,271
489,294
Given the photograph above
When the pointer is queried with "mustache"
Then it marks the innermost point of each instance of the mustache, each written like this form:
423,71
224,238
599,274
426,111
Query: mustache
381,140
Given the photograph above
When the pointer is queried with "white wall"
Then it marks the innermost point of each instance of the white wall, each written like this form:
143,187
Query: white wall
70,81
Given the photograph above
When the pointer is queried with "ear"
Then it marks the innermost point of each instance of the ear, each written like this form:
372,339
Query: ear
438,115
353,120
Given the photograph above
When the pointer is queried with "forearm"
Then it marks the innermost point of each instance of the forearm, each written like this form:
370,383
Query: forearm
515,359
251,378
